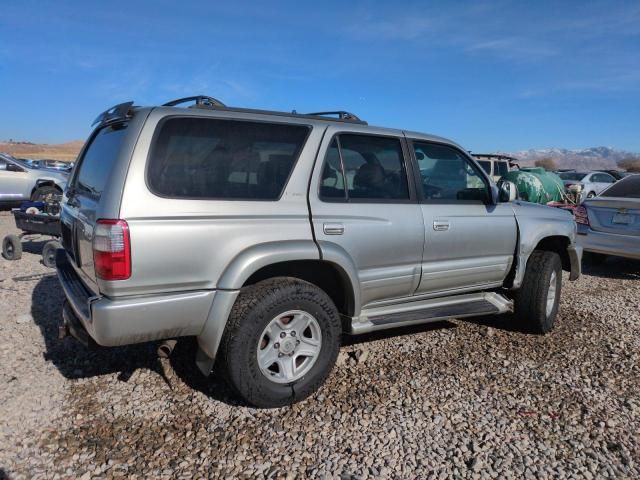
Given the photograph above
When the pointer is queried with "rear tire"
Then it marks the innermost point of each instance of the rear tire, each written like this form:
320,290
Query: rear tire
12,247
537,300
258,342
49,253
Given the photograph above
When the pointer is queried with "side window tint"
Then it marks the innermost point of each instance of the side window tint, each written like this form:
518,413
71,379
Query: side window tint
373,167
332,183
485,164
503,168
447,175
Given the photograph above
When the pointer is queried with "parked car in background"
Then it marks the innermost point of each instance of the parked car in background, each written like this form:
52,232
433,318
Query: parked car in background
586,184
29,162
266,235
496,165
609,224
20,182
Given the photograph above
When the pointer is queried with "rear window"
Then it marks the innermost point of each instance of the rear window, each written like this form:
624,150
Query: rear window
223,159
576,176
628,187
96,165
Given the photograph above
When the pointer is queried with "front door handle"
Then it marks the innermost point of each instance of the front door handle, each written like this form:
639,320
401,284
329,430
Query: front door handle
441,225
333,228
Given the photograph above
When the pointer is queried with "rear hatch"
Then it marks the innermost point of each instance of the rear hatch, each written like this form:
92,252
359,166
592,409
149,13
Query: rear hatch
87,198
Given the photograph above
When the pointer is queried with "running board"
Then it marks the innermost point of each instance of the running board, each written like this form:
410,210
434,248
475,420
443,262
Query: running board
432,310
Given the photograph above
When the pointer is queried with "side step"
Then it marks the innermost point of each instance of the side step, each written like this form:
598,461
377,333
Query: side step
432,310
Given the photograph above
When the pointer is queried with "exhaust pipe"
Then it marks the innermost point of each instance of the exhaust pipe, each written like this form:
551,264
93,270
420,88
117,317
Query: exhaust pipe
166,348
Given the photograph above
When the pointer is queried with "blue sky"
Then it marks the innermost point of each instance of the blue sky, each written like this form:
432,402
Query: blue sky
492,75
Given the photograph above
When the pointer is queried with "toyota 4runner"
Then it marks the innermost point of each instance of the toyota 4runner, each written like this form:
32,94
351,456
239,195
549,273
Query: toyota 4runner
267,235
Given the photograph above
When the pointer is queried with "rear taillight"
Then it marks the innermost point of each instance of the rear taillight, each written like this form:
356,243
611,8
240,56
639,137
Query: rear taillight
581,215
112,250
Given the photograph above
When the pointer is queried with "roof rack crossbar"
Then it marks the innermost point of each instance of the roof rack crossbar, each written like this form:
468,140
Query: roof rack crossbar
198,99
119,112
341,114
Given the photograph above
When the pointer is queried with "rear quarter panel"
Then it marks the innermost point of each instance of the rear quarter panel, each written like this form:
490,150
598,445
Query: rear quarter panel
185,244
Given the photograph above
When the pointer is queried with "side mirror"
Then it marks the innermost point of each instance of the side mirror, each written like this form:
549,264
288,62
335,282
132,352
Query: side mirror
419,156
14,168
507,191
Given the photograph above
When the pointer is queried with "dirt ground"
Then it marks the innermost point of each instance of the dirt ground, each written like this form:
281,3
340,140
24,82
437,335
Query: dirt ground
455,399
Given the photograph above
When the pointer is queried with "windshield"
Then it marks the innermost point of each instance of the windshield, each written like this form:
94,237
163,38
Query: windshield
572,176
628,187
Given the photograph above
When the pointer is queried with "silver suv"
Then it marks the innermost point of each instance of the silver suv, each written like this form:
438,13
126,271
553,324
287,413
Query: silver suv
267,235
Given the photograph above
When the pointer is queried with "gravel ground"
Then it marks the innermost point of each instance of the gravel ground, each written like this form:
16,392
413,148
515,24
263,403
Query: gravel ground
448,400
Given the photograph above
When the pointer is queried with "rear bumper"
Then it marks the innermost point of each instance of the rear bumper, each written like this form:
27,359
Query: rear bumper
608,243
112,322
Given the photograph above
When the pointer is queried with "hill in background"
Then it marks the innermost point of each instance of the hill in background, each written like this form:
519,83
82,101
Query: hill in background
60,151
594,158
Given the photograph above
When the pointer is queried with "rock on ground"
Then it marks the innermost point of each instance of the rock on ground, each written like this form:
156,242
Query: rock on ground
454,399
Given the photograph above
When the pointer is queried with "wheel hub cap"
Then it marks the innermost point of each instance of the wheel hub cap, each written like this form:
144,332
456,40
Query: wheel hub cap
289,346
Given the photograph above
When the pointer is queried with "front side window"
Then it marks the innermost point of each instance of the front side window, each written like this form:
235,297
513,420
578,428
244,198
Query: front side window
447,175
223,159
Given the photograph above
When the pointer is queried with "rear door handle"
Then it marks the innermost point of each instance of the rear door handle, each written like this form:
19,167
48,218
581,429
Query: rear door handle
333,228
441,225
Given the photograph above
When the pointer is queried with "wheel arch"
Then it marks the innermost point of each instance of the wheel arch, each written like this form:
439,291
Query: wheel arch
45,183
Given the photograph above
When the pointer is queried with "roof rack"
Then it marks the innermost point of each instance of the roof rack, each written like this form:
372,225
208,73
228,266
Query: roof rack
117,113
341,114
202,101
198,99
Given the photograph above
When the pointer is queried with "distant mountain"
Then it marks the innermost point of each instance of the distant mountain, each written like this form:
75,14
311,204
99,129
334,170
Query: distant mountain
582,159
59,151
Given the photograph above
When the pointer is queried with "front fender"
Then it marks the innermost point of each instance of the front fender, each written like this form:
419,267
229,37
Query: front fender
537,222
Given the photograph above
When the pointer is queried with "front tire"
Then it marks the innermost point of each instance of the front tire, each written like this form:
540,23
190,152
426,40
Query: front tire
537,301
591,194
280,343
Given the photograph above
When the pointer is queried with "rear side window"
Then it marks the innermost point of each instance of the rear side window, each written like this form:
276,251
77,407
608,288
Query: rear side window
486,165
628,187
95,166
364,167
223,159
502,168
